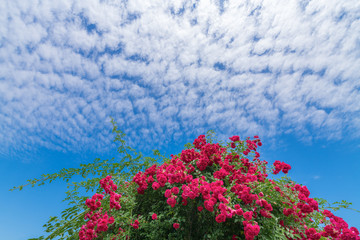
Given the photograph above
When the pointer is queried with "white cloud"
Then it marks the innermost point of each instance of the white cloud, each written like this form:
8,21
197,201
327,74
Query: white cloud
166,69
316,177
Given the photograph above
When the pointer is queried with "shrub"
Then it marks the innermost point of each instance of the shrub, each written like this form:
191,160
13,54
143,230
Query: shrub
211,191
208,191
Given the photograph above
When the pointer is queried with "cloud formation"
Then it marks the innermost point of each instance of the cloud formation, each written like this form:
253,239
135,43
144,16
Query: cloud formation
171,69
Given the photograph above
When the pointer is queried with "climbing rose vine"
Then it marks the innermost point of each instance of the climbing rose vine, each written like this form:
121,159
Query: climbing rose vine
211,191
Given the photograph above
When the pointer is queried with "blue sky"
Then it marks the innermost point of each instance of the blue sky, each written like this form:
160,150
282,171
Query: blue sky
168,71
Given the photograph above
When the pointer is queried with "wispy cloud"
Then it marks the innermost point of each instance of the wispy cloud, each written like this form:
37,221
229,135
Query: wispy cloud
316,177
170,69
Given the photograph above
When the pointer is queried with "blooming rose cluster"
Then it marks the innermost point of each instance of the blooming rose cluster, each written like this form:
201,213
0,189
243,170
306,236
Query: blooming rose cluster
94,202
135,225
108,185
338,229
250,230
225,183
281,166
99,221
213,193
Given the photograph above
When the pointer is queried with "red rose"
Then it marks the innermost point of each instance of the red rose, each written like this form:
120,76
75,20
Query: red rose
248,215
175,190
155,185
220,218
176,225
168,193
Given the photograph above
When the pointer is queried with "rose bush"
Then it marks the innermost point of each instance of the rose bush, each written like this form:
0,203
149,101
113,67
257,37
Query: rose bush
211,191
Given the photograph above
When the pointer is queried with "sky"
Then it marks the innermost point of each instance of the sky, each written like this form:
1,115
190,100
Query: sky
168,71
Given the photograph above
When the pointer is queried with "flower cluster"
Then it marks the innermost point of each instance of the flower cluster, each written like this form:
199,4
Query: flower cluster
250,230
99,221
108,185
135,225
338,229
94,202
212,193
225,183
281,166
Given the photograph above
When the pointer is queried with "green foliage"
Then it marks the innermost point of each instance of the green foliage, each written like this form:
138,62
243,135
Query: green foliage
129,162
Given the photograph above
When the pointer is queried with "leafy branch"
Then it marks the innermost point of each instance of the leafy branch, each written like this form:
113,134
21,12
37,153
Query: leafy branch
72,218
